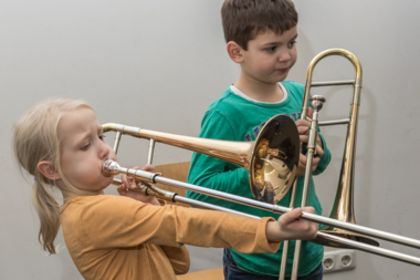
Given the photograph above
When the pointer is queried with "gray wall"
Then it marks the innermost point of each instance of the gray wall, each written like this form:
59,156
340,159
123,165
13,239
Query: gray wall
158,64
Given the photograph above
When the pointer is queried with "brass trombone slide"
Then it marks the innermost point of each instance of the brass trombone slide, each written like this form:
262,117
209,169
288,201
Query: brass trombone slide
112,168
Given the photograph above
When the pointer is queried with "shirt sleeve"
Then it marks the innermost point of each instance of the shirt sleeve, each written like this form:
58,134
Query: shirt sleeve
215,173
325,159
124,222
179,258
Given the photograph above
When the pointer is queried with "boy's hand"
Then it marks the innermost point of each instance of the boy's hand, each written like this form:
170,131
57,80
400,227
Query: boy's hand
130,188
303,127
291,226
315,161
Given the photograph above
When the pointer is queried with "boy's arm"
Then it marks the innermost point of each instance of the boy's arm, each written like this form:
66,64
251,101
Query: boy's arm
215,173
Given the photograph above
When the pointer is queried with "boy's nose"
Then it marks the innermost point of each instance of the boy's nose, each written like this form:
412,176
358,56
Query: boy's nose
284,55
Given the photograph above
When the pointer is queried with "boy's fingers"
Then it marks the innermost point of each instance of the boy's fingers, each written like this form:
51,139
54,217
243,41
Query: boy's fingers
309,112
319,151
303,138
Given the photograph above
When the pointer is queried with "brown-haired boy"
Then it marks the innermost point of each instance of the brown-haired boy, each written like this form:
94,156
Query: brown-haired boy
260,37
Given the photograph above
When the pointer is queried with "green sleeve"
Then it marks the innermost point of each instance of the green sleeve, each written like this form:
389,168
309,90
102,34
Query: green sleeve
215,173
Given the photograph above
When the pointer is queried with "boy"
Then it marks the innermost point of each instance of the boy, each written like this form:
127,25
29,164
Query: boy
261,37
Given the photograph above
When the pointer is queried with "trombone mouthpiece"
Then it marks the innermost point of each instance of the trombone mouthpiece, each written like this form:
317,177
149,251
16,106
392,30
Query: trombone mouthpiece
318,101
110,168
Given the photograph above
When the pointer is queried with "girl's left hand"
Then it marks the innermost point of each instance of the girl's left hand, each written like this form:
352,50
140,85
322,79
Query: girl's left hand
130,188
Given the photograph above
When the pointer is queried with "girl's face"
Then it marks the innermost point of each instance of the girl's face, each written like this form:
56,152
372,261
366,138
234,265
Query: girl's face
83,151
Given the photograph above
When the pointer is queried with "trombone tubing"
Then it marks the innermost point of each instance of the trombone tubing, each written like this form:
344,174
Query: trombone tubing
152,190
113,168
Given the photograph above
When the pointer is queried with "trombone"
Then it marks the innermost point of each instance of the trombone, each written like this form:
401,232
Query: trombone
278,141
343,205
112,168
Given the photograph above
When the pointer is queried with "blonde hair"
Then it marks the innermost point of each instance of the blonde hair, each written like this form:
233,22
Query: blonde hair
36,139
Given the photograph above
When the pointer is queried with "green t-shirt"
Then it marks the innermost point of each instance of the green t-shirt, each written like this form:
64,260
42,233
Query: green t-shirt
235,118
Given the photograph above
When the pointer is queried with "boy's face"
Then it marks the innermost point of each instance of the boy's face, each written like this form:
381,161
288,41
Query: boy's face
83,151
270,56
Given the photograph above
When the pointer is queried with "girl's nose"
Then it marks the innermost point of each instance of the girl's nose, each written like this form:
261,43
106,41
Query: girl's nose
104,150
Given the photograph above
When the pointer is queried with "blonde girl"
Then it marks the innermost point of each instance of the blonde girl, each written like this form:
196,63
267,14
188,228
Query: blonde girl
127,236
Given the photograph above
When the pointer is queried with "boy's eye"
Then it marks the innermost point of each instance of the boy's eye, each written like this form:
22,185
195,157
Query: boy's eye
292,44
270,49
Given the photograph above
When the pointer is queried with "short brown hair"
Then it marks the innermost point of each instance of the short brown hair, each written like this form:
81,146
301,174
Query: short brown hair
243,19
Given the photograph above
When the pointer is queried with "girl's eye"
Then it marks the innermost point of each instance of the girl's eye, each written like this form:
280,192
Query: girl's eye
85,146
101,136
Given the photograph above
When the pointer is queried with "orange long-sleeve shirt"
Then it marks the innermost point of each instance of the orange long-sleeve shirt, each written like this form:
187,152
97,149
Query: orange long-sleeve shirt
114,237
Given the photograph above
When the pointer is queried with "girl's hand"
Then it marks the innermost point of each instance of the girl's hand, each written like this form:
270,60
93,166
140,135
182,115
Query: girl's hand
297,228
290,226
130,187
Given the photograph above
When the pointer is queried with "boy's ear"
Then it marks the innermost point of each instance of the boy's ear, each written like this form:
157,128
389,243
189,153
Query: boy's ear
234,51
47,169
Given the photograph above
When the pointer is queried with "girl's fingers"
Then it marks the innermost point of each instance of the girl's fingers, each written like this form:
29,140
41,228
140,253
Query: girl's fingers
291,216
122,190
308,209
148,167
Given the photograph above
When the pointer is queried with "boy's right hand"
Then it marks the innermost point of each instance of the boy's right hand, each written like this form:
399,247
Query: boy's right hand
290,226
303,127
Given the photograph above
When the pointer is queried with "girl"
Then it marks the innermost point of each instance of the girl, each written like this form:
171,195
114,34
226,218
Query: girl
61,145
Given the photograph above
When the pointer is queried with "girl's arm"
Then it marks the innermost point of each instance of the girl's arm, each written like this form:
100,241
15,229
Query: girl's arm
179,258
109,221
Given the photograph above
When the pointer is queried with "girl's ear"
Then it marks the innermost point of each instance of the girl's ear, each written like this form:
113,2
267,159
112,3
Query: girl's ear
47,169
234,51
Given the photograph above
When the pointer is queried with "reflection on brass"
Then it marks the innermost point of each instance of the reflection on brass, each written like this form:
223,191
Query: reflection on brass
276,156
272,173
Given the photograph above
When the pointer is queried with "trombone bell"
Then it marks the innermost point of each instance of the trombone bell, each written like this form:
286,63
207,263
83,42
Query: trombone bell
274,159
